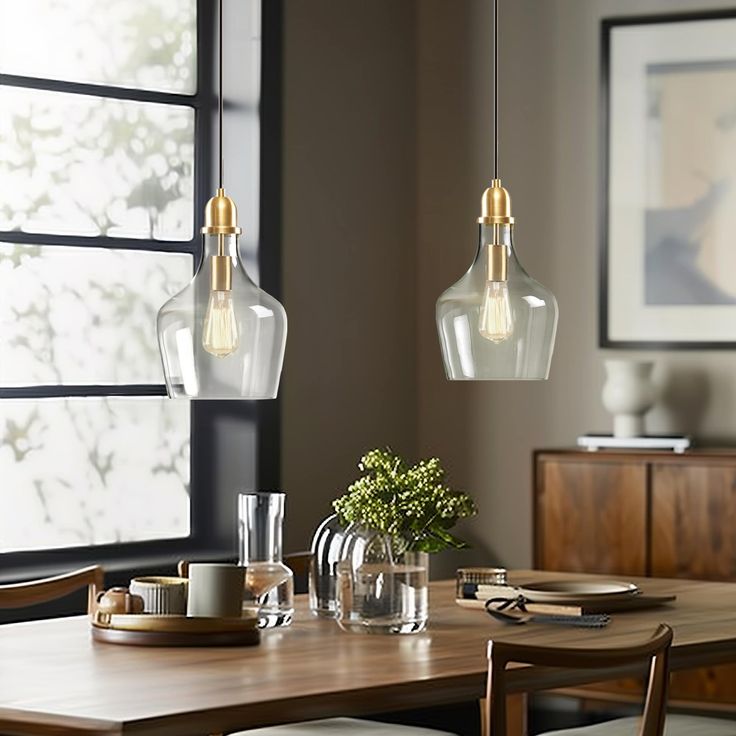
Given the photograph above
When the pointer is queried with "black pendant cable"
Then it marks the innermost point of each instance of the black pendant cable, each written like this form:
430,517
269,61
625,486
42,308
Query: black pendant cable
495,89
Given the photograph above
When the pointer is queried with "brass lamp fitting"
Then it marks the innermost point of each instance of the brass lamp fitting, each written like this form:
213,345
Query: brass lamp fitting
498,261
496,205
221,216
221,273
496,211
221,219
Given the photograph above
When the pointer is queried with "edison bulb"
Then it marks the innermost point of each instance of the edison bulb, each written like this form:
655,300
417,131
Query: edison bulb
496,322
220,330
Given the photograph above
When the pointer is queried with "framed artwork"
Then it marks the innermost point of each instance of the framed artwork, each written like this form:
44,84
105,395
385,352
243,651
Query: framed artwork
668,240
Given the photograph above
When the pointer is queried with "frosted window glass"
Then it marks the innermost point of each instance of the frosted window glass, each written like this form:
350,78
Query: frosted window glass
146,44
81,165
83,315
92,471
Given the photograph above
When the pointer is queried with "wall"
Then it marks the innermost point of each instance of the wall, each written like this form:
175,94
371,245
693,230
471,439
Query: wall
387,150
549,161
349,190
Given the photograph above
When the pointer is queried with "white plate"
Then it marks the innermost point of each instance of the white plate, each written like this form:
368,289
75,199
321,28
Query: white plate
577,590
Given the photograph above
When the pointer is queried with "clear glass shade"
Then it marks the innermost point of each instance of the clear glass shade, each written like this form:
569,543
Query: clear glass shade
496,330
222,344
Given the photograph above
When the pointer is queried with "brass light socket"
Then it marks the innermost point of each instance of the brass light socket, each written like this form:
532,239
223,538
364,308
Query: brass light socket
496,205
498,262
221,216
221,273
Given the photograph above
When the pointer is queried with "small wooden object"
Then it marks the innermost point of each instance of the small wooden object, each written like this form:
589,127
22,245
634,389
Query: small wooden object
118,600
175,631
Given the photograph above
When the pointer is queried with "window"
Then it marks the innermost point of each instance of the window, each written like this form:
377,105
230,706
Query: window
101,184
106,115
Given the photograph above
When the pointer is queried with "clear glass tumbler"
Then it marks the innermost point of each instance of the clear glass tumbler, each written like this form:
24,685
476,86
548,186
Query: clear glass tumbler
269,583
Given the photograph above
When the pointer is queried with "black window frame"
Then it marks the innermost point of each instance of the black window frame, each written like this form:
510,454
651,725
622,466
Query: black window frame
211,518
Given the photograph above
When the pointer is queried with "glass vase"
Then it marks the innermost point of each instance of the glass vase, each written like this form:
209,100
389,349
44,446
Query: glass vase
381,587
326,545
269,583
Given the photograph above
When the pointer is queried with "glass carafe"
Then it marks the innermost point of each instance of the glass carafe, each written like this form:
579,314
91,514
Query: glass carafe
269,583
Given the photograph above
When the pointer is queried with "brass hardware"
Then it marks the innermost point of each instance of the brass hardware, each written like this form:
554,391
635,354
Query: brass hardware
221,274
496,205
498,260
221,215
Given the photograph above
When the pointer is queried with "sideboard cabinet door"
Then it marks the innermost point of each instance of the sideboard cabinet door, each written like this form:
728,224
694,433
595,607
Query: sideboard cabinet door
693,536
591,516
693,521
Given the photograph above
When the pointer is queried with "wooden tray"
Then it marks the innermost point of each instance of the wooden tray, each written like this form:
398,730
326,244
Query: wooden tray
176,631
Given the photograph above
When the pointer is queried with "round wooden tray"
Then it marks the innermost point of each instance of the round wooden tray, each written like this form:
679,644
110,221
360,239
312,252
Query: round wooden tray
176,631
243,638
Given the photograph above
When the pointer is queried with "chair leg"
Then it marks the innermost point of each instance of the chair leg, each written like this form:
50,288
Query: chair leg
484,730
516,714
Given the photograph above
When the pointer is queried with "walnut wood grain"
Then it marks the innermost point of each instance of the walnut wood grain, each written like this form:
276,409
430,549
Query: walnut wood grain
55,680
591,517
693,521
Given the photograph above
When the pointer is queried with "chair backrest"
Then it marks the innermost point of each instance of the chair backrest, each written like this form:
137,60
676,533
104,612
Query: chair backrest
655,649
19,595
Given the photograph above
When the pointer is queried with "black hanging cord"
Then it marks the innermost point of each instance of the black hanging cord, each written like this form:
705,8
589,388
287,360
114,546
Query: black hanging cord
495,89
220,96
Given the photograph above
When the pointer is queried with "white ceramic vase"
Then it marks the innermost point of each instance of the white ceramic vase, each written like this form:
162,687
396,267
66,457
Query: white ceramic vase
629,394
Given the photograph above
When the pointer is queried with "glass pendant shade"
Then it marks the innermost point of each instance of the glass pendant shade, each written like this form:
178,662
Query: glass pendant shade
222,337
497,322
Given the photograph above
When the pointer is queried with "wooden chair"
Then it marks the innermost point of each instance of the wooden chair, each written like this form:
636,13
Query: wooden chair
19,595
655,720
655,649
500,655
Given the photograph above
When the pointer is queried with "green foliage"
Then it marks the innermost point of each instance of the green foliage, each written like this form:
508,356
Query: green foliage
413,504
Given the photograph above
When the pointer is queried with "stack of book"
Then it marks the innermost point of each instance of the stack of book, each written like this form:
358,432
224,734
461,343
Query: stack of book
475,595
674,443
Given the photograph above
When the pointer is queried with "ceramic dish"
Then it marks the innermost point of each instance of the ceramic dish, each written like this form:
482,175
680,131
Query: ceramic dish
555,591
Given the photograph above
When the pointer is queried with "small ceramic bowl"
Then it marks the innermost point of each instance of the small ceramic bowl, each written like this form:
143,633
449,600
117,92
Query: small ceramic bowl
161,595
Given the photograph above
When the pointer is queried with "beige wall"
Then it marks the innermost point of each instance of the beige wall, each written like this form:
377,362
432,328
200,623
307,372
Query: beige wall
427,65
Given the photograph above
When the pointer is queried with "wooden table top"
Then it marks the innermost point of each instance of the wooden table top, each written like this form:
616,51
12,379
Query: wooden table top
53,677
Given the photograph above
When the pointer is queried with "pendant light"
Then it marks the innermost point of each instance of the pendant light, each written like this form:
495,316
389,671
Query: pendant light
222,337
496,322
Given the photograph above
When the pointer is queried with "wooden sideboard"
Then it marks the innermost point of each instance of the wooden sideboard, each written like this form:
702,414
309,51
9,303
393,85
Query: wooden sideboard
642,513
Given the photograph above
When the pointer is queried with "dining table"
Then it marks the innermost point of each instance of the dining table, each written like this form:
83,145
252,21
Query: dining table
54,679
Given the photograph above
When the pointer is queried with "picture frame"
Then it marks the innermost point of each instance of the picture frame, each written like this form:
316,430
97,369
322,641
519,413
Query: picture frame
667,271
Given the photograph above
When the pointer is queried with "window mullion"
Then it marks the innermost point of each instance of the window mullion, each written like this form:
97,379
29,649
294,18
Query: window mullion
100,90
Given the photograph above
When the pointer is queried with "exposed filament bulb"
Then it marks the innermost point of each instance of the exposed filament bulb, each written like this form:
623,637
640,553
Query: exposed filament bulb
496,321
220,333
